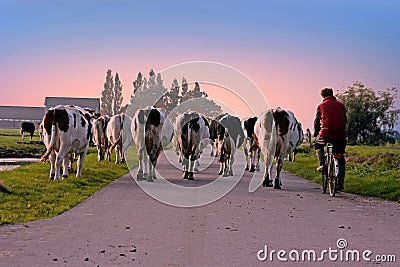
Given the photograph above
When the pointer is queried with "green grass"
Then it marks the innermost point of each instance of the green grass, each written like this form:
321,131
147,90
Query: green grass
370,171
11,144
34,196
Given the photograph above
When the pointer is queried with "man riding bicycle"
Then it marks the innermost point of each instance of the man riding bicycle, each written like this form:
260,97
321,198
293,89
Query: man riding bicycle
330,127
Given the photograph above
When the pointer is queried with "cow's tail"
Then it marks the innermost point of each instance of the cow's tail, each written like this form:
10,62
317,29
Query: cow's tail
119,137
51,145
115,143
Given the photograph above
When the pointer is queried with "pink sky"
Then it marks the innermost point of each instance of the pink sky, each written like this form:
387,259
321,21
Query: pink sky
290,51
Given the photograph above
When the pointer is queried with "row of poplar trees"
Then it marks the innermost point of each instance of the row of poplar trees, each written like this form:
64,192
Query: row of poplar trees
111,96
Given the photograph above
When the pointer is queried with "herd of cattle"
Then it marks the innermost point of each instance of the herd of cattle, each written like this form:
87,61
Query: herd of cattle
67,130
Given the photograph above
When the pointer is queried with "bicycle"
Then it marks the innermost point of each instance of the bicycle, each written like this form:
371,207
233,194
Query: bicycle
330,171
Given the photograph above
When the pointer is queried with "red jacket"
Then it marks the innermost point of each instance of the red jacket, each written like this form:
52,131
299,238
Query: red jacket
330,120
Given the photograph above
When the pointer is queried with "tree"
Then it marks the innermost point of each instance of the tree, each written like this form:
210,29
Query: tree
117,101
107,95
185,86
195,92
371,116
138,82
146,93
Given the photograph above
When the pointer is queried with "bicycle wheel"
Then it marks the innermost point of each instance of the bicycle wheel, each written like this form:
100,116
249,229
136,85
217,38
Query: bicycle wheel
332,176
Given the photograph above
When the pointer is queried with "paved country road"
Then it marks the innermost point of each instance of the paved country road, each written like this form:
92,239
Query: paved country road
122,226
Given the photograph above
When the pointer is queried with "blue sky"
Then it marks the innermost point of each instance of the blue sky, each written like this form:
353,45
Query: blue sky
290,49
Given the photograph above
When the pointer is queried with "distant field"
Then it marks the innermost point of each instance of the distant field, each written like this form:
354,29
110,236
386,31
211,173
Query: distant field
33,196
11,144
370,171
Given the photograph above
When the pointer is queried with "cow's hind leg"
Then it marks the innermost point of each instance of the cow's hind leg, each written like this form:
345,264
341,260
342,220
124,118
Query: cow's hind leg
257,152
221,168
52,160
231,160
267,182
185,167
139,175
226,171
277,183
79,163
65,167
191,167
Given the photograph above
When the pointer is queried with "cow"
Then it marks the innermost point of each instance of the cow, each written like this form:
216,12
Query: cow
66,130
90,113
40,130
226,122
189,132
119,137
295,136
250,148
265,138
226,152
27,127
308,137
282,123
222,124
100,136
214,125
151,130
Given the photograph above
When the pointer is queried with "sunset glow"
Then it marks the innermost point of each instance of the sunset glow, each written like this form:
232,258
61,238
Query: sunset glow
290,49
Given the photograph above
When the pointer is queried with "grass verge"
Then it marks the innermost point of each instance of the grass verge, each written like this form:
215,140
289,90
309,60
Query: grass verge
370,171
33,196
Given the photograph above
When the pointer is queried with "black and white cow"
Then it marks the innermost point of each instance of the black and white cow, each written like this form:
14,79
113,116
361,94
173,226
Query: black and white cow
295,136
151,131
265,138
92,114
100,136
250,148
226,152
221,125
27,127
66,130
119,137
189,132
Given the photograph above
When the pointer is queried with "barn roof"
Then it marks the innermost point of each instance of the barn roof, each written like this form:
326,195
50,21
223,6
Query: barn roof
92,103
21,112
83,102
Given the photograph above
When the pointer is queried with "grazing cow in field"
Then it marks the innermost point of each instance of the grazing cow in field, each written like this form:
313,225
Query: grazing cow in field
266,139
27,127
40,130
151,130
189,132
66,130
250,148
119,137
226,152
100,136
295,136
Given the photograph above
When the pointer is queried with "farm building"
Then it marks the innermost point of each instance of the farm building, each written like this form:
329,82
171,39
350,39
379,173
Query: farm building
92,103
12,116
